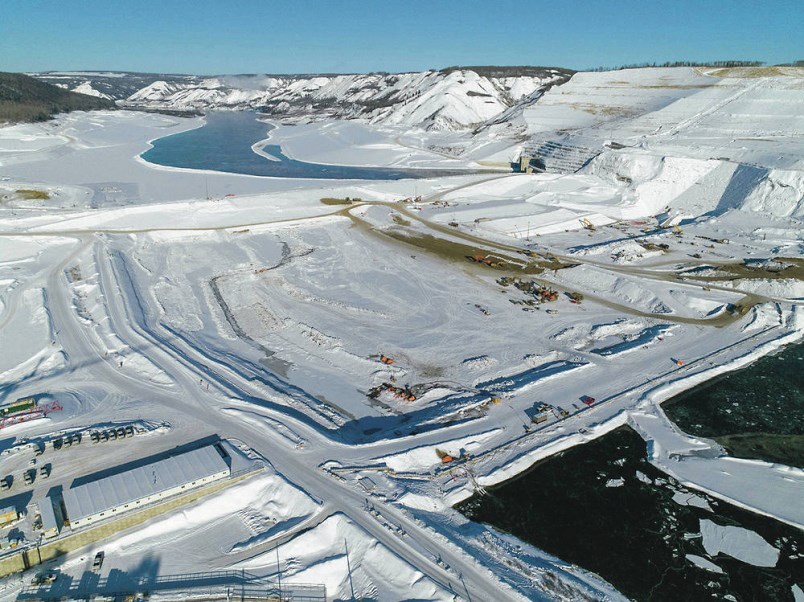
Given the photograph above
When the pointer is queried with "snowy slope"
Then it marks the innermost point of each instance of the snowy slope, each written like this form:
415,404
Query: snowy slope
86,88
434,100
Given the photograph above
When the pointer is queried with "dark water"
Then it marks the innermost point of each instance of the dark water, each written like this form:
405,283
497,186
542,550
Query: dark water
635,536
757,412
224,143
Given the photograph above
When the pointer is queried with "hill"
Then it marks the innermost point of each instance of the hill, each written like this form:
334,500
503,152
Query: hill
24,98
450,99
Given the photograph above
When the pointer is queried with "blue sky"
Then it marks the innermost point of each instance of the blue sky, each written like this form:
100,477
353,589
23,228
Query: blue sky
306,36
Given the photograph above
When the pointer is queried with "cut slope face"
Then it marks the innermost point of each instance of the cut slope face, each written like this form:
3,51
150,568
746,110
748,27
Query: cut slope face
677,111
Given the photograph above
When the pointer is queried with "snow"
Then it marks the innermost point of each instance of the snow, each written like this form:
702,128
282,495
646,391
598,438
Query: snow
738,543
423,458
430,100
261,317
86,88
325,553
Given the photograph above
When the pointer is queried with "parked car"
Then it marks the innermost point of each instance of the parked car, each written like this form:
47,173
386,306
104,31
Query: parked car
98,562
43,578
29,476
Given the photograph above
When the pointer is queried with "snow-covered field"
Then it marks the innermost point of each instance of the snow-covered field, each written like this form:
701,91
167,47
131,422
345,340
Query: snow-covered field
140,293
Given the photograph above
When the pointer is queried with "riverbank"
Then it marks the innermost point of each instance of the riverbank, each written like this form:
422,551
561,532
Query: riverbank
603,506
764,422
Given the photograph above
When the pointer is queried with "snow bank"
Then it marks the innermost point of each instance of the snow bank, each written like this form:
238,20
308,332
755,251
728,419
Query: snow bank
780,194
425,457
346,559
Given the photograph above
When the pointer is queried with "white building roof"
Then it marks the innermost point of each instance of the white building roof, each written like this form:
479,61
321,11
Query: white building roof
122,488
48,514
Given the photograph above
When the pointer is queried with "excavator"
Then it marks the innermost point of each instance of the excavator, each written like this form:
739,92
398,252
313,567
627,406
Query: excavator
588,225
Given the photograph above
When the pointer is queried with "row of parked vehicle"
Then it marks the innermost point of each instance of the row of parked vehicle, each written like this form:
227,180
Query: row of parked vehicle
120,432
29,476
51,576
66,441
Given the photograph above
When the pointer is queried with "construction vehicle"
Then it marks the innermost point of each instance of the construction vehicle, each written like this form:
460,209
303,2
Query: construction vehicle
588,225
677,231
386,360
444,456
485,260
403,393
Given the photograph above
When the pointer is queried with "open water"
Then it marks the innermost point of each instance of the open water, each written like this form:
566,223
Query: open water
224,143
757,412
604,507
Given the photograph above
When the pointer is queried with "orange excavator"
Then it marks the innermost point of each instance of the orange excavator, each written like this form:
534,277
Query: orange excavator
386,360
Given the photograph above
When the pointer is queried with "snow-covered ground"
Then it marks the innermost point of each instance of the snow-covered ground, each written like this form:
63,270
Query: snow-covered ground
138,293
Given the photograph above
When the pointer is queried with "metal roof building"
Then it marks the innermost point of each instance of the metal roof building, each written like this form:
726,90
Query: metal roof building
51,517
124,491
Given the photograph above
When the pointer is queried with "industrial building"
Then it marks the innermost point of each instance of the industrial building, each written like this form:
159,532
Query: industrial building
52,519
109,496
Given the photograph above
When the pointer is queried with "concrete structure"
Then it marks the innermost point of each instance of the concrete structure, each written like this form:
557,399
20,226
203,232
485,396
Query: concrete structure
113,495
8,515
52,519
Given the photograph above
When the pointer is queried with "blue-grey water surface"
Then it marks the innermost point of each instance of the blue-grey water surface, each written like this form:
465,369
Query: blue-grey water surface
224,143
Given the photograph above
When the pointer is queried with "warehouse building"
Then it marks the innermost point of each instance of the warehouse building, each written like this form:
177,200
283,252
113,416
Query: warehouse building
109,496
